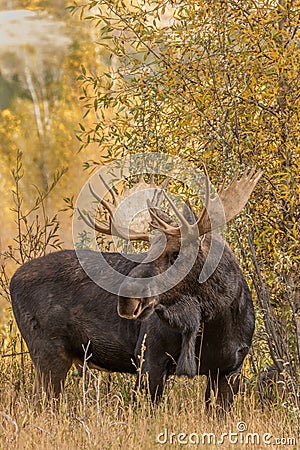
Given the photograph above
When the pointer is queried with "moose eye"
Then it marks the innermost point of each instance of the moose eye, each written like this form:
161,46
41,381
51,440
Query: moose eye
175,255
172,257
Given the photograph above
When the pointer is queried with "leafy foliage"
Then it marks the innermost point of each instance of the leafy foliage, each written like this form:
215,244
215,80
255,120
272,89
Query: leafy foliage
214,82
37,233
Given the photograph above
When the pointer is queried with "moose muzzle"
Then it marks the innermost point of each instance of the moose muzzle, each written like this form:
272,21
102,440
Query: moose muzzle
132,308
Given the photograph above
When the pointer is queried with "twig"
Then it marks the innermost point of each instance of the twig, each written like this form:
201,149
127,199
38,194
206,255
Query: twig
41,429
14,354
84,391
11,420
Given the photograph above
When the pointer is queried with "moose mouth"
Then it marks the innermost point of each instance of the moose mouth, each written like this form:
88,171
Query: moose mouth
133,308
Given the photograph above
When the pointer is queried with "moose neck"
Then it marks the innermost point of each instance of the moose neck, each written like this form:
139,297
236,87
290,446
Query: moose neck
215,263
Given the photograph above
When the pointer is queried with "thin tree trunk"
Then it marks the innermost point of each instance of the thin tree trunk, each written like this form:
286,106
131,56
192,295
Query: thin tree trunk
40,122
35,100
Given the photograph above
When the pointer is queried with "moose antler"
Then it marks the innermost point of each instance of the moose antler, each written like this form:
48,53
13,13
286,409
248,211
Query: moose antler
218,209
229,202
113,226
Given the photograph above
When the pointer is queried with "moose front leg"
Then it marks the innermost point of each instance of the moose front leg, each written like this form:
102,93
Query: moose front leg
156,352
152,379
223,389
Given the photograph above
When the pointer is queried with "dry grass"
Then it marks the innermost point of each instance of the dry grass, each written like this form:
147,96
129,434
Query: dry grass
101,415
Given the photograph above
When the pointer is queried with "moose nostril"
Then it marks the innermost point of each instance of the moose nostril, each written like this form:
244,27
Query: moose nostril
137,309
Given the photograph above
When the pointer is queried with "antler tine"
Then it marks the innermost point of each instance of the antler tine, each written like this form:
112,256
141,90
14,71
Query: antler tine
110,208
243,186
158,193
258,175
110,189
160,223
88,220
155,217
234,180
182,219
255,176
164,184
156,198
125,189
152,182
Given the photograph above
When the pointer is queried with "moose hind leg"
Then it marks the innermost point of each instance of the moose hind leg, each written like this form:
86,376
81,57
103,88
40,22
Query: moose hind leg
51,372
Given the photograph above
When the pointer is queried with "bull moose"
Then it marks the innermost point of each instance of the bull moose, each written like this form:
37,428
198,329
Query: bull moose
192,328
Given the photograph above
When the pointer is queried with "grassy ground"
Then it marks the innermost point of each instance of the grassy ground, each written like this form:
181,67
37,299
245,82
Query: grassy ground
99,414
